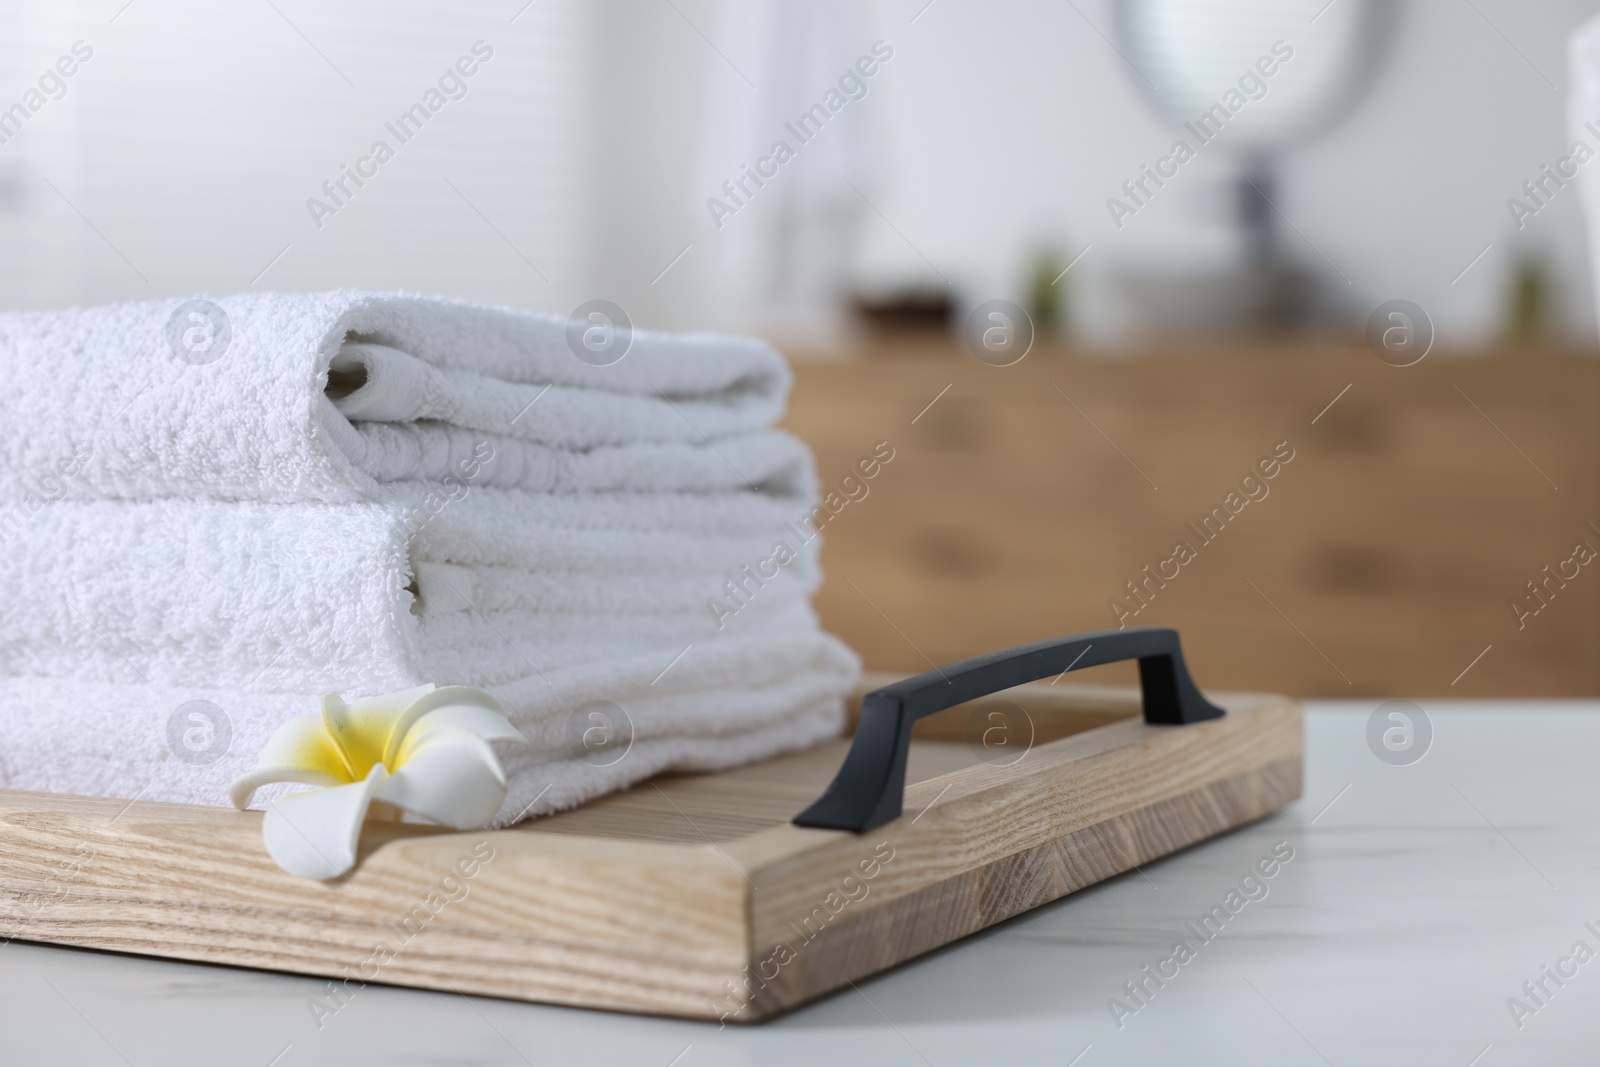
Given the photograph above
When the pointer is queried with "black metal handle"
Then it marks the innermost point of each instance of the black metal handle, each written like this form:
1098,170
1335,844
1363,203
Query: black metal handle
870,784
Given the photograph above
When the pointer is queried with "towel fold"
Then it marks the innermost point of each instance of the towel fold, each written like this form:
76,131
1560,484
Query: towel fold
769,462
104,393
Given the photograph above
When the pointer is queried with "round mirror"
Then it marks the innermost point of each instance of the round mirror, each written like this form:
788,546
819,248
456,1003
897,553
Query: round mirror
1280,71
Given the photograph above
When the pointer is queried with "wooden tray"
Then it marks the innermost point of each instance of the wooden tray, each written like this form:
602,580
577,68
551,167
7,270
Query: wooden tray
690,895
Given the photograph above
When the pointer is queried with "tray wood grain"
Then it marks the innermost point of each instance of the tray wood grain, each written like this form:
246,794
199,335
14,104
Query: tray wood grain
688,895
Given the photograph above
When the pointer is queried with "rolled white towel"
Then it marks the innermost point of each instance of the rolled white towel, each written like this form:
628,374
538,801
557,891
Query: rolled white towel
323,396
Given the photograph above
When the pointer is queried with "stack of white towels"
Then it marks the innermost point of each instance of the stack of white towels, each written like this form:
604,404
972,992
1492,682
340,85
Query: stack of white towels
357,494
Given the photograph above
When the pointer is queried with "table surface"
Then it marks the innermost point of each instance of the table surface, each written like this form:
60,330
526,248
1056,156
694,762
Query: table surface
1418,902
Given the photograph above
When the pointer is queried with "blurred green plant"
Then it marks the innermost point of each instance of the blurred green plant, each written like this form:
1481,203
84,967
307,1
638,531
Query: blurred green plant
1047,296
1528,301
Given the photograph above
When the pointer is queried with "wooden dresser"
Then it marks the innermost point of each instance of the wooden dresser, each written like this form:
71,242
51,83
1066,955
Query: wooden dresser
1382,559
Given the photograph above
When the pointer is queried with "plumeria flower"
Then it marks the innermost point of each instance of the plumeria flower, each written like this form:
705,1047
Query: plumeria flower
423,750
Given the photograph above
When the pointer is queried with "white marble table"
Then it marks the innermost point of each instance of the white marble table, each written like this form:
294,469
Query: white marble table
1420,898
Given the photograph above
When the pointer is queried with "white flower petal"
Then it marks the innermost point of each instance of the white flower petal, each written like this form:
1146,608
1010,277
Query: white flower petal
366,730
468,708
479,721
314,834
242,790
299,751
452,777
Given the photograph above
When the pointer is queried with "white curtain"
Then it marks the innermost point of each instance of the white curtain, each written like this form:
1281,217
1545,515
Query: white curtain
781,260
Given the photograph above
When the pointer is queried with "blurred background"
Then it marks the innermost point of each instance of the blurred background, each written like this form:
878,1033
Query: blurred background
972,227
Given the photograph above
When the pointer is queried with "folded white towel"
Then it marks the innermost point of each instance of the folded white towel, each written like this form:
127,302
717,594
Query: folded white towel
123,612
360,494
103,396
733,700
357,599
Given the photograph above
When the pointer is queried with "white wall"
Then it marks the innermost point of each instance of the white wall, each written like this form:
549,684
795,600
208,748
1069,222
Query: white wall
192,140
184,153
1009,122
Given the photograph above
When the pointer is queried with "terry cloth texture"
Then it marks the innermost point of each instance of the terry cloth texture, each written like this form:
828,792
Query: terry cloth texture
357,494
